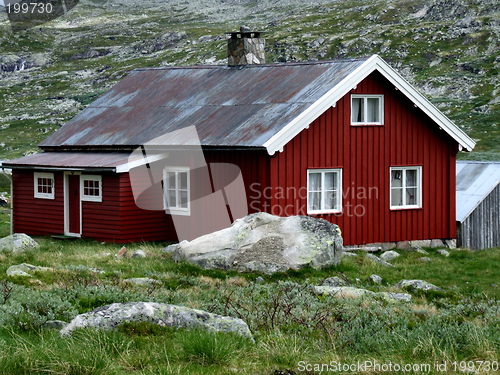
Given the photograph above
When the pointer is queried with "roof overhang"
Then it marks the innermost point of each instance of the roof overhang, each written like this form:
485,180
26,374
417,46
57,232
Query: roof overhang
374,63
117,162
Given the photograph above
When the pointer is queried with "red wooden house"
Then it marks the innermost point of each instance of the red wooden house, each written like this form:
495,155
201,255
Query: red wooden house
349,141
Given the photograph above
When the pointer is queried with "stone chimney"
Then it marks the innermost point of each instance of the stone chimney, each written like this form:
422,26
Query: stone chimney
245,48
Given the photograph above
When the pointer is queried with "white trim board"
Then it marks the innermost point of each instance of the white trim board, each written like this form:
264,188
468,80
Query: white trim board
375,62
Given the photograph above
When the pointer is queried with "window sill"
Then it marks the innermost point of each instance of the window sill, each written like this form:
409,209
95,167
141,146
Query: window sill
178,212
399,208
324,212
366,124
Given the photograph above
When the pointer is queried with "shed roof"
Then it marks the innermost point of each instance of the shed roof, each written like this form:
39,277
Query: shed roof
475,180
103,161
261,106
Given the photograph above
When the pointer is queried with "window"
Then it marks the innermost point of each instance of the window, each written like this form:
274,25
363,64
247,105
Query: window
324,192
91,187
44,185
406,187
367,110
176,190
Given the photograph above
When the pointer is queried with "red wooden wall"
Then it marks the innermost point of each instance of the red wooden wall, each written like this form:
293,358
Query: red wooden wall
37,216
365,154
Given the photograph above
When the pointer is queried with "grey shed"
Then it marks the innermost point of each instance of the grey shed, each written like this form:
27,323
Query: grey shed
478,204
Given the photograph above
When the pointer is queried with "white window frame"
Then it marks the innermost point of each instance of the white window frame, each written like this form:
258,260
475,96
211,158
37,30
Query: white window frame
365,97
338,205
36,176
177,210
403,187
90,198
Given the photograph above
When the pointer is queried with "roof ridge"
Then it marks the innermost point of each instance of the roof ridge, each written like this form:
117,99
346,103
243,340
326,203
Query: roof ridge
254,66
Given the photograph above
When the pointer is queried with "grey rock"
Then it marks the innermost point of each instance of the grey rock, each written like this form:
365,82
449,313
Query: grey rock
335,281
437,243
414,285
17,242
141,281
266,243
349,254
389,255
388,246
420,243
376,279
259,280
54,324
452,244
443,252
24,269
354,293
404,297
402,245
139,254
18,273
110,316
343,291
376,259
425,259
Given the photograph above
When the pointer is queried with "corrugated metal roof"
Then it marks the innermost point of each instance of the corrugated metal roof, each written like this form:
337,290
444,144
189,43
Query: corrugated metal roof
71,160
229,106
475,180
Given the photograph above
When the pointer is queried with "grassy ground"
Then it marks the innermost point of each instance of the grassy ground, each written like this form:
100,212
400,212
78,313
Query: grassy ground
294,329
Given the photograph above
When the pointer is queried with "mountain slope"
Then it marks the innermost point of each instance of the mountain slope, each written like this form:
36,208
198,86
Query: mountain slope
449,49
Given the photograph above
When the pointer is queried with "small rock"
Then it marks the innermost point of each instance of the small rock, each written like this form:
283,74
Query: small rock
376,259
259,280
388,246
437,243
54,324
413,285
349,254
403,245
452,244
24,268
122,253
139,254
443,252
141,281
18,273
421,243
354,293
376,279
335,281
425,259
494,285
389,255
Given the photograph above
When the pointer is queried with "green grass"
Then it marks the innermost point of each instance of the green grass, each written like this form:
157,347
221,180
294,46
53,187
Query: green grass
289,322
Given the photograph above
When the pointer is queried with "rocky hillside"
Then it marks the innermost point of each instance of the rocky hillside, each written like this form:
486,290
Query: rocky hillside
449,49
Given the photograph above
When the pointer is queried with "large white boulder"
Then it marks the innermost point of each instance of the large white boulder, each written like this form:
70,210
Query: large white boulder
265,243
111,316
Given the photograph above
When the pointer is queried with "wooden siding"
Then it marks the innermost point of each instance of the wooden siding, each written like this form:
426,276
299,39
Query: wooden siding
365,154
37,216
481,230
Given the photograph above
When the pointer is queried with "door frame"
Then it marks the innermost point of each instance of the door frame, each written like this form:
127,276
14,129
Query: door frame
66,203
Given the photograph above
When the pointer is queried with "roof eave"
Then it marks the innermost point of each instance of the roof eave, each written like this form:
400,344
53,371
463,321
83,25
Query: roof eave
375,62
